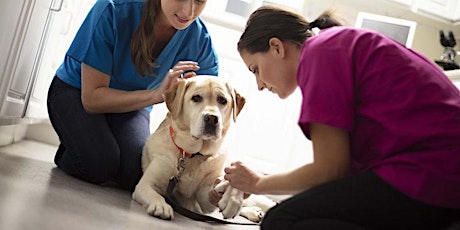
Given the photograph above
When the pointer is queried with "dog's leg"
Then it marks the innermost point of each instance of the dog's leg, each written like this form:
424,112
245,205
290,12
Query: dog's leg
146,195
231,201
202,195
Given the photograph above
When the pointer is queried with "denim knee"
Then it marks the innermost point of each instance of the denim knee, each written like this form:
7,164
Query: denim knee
95,170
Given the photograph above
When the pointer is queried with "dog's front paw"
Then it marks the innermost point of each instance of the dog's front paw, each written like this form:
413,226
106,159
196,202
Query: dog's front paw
161,210
253,213
231,202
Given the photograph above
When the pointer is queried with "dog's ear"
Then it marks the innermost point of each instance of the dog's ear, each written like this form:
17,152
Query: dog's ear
238,101
174,98
238,104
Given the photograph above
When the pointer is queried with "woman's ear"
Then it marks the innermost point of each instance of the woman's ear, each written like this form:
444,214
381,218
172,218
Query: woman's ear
277,46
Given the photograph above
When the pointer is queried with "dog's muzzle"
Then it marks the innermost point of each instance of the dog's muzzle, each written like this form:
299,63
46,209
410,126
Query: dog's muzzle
211,124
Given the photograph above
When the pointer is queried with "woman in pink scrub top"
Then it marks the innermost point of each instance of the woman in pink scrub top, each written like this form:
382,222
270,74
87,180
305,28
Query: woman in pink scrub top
384,122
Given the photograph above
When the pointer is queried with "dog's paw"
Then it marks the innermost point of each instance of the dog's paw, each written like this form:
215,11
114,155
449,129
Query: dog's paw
231,202
221,186
161,210
253,213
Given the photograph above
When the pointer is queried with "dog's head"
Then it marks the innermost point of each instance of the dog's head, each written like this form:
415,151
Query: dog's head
203,105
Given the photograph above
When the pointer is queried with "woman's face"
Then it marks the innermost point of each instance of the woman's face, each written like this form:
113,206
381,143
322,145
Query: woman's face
275,70
181,13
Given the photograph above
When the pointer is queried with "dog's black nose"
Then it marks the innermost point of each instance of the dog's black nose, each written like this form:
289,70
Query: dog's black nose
210,119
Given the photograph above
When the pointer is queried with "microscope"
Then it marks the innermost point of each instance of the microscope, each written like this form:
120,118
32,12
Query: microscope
447,60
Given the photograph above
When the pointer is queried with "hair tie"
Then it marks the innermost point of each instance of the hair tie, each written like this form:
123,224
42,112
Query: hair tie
313,24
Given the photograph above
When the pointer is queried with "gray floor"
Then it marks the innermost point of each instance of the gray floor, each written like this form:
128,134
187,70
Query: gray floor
34,194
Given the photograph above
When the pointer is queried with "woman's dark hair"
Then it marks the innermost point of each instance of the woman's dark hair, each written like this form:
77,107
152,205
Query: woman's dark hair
144,40
270,21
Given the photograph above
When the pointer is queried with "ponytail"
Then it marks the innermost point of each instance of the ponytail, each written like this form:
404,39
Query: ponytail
325,20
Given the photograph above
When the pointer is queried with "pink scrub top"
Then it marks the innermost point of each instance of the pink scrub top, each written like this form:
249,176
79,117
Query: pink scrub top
402,112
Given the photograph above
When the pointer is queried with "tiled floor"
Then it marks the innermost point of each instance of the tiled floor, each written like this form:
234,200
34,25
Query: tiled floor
34,194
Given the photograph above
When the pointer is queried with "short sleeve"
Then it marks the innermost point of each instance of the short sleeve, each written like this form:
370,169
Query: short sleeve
325,77
94,42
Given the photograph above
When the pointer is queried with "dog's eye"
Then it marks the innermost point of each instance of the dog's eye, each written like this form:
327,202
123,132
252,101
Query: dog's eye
222,100
197,98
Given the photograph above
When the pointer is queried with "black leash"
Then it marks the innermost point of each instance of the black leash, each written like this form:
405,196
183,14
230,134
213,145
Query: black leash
193,215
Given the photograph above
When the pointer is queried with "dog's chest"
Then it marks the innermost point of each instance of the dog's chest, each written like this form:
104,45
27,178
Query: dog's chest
199,171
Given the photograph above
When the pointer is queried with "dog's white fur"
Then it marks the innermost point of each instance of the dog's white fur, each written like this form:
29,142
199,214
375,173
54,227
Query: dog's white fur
201,110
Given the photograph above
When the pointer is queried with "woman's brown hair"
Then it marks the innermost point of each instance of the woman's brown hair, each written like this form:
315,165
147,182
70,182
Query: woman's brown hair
144,40
271,21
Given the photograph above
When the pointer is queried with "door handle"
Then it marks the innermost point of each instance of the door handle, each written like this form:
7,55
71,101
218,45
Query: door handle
56,5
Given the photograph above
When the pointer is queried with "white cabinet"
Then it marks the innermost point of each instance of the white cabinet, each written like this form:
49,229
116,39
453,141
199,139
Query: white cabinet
457,14
62,29
403,2
24,29
454,75
445,9
442,8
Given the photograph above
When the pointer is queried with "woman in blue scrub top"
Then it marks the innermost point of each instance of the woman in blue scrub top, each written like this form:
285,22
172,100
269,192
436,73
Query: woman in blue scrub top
124,56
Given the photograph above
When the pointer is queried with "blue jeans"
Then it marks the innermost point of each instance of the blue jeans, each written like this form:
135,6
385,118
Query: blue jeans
97,148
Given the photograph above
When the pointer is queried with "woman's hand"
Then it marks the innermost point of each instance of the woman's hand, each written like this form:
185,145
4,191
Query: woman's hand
184,69
215,196
175,74
242,178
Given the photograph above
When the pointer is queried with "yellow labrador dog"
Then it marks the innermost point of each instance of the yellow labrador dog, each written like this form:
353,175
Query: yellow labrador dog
189,144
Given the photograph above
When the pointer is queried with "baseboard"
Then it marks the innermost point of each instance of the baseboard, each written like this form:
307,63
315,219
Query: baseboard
12,133
42,132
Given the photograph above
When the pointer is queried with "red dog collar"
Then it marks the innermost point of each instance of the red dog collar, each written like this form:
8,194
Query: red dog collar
172,133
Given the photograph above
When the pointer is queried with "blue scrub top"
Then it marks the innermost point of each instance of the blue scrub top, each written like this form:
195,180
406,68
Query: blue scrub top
104,39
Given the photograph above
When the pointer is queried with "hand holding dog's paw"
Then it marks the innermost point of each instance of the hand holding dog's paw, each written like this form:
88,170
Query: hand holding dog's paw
232,200
161,210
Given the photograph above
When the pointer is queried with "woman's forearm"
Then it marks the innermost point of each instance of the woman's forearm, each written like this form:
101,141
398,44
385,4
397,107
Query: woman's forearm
295,181
331,156
108,100
98,97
